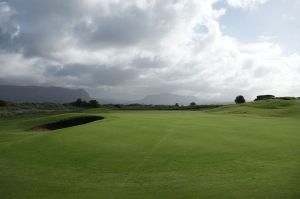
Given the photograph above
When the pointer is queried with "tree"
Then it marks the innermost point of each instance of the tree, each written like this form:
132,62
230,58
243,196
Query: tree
2,103
78,102
240,99
176,105
94,104
192,104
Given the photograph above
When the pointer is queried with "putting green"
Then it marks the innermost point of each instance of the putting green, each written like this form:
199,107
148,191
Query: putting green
152,154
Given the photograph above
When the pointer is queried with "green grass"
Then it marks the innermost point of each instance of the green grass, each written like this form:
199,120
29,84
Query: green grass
156,154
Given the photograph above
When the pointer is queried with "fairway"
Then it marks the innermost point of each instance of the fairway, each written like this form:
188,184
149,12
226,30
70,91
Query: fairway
152,154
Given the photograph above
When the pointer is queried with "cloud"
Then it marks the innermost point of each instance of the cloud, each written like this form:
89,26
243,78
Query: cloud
246,3
133,48
9,30
89,75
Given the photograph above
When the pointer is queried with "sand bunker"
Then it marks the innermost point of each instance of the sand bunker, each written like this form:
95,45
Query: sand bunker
75,121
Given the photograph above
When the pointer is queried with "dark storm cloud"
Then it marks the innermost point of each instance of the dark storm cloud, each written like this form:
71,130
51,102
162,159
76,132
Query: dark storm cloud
114,31
5,38
148,62
8,29
124,27
94,74
18,80
45,25
42,24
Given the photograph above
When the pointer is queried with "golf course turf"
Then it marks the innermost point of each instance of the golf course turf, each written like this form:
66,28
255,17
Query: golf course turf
238,151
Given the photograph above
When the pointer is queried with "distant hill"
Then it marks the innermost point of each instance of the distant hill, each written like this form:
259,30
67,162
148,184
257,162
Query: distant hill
113,101
269,108
41,94
168,99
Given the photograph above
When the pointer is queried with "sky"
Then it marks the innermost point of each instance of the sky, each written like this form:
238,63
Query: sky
212,49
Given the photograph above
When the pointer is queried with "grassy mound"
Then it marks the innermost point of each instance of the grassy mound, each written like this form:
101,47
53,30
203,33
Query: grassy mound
269,108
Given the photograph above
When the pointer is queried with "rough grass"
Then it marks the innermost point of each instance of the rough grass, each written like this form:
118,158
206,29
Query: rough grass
155,154
17,109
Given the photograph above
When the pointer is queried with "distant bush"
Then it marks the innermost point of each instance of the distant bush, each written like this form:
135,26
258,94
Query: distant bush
78,103
93,104
264,97
156,107
240,99
118,106
2,103
83,104
134,104
286,98
193,104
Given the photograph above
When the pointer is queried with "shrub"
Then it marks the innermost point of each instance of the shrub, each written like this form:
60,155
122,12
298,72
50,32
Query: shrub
84,104
264,97
240,99
78,102
93,104
193,104
286,98
3,103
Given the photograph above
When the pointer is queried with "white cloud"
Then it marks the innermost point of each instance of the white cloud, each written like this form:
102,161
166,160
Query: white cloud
133,48
246,3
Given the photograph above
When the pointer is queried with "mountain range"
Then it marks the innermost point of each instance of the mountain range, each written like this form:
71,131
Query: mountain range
168,99
41,94
64,95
